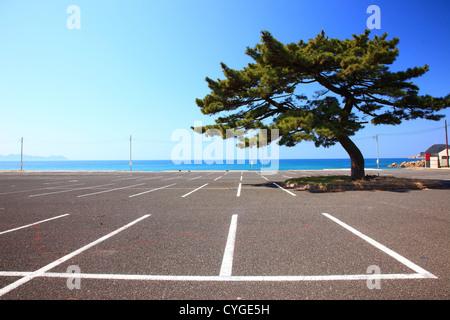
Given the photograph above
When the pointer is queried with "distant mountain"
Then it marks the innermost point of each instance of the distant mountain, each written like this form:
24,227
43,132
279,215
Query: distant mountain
16,157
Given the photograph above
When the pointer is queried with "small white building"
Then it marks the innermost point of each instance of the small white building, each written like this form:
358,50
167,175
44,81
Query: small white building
434,162
442,156
436,156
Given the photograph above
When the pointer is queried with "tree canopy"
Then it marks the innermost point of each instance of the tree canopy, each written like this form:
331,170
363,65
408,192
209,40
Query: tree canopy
355,85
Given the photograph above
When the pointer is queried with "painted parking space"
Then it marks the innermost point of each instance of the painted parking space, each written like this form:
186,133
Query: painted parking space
37,273
210,235
226,268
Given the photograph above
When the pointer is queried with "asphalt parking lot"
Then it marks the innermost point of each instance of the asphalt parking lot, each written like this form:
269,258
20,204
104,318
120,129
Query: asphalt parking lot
218,235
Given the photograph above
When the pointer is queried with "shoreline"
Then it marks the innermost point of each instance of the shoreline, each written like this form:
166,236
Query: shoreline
167,165
197,171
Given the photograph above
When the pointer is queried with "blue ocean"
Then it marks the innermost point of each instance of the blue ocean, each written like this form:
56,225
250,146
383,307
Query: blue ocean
168,165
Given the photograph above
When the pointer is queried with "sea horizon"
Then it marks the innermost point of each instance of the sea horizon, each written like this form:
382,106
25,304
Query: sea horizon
169,165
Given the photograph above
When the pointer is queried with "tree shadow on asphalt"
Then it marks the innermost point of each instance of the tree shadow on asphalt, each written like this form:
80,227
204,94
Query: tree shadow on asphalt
445,185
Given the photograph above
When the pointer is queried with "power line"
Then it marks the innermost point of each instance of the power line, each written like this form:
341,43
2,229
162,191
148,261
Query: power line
402,133
413,132
378,157
87,142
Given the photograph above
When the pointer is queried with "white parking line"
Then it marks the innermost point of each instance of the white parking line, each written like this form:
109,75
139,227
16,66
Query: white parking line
264,178
49,266
29,190
138,194
424,273
194,190
144,277
218,178
109,190
194,178
142,179
227,261
60,182
129,178
285,190
48,193
239,190
33,224
171,178
66,186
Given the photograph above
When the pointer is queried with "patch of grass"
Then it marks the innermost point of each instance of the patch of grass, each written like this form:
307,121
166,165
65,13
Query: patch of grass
320,180
340,183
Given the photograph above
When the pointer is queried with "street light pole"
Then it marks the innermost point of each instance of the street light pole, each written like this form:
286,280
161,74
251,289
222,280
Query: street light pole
21,154
446,141
131,162
251,156
378,158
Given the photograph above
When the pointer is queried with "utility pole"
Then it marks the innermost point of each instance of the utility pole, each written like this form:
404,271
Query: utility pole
251,156
21,154
262,159
446,141
378,158
131,162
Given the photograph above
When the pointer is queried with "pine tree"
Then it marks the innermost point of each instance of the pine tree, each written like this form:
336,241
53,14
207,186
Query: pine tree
355,84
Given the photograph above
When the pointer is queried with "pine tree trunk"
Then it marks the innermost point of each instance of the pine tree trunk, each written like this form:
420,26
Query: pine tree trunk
356,158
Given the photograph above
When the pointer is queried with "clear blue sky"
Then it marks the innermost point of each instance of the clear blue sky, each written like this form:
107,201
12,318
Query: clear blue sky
135,68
